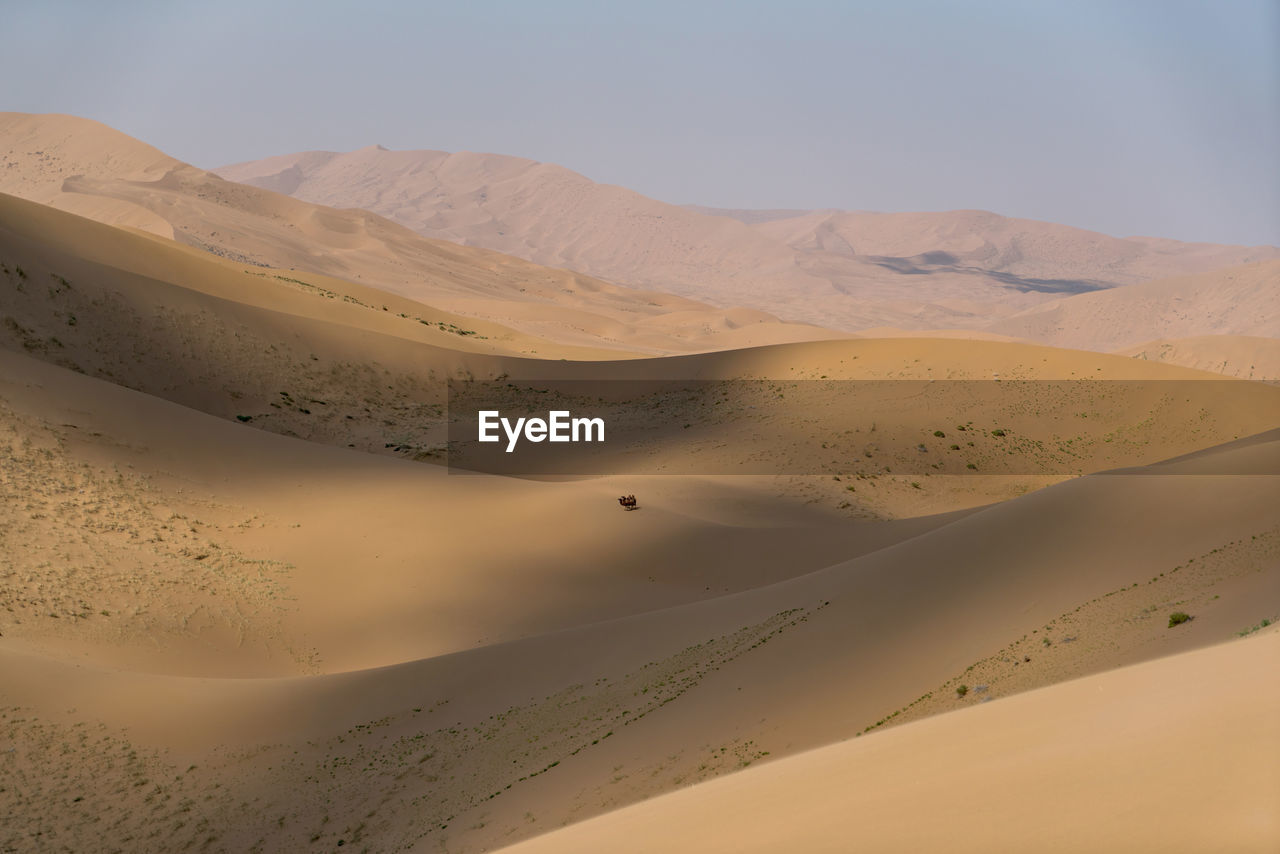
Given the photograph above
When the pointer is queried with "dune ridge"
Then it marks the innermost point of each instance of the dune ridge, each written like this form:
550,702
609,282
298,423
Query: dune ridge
1239,301
1124,759
849,270
100,173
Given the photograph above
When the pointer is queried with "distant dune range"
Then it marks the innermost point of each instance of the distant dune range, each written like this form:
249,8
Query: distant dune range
89,169
1225,322
1239,301
245,606
1001,278
845,270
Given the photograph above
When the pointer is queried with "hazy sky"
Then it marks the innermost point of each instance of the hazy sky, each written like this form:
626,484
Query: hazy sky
1158,117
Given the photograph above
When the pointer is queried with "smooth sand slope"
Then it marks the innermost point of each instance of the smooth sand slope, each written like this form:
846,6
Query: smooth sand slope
847,270
1033,255
100,173
1242,301
1223,322
1127,760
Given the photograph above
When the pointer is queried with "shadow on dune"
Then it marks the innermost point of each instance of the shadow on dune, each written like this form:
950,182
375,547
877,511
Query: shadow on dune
942,262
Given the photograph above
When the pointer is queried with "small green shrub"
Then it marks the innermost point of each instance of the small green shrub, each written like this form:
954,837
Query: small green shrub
962,690
997,433
1177,618
939,434
1254,628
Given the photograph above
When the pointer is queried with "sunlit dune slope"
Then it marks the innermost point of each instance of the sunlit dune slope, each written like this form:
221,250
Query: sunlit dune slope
95,171
842,269
1127,760
1030,254
1231,355
1237,301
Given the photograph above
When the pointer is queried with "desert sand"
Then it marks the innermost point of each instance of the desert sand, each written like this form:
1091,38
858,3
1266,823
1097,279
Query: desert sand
592,683
97,172
1125,760
840,269
1237,301
246,605
1241,356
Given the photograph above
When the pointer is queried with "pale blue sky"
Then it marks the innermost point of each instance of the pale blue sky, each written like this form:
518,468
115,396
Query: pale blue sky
1157,117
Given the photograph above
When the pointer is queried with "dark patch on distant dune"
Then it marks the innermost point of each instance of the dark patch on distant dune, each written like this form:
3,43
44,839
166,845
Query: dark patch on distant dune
943,262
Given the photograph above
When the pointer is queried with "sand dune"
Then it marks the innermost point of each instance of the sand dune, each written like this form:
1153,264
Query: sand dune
564,725
1033,255
276,516
43,153
98,172
847,270
293,353
1231,355
643,653
1123,760
698,537
1239,301
911,271
245,605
